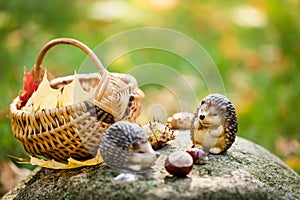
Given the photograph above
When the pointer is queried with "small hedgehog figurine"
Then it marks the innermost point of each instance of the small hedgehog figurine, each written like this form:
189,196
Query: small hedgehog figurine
125,146
214,124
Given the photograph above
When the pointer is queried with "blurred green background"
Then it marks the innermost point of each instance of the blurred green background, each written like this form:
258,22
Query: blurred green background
255,44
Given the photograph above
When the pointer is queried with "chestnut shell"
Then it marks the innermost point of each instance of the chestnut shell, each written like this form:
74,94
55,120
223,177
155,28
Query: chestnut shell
179,163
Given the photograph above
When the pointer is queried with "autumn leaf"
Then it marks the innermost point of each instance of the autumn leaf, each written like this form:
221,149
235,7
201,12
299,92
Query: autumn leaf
52,164
73,93
11,175
29,86
44,97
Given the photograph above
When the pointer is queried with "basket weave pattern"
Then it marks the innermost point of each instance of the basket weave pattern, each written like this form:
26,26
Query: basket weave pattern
75,130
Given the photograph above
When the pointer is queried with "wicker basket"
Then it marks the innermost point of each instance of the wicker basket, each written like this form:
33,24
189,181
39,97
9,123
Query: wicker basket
75,130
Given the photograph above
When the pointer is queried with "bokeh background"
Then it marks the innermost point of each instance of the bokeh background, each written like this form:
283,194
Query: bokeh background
255,44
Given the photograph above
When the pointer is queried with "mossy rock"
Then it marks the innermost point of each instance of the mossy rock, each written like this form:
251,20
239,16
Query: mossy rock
245,171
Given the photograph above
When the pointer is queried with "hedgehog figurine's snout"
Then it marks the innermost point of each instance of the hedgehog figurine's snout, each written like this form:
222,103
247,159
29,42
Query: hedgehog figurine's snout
214,124
142,155
140,146
201,117
125,146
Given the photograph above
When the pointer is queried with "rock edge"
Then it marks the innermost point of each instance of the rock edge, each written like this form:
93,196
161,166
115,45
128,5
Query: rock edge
245,171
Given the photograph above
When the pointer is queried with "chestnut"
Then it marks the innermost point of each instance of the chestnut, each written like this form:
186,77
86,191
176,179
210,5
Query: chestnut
199,155
179,163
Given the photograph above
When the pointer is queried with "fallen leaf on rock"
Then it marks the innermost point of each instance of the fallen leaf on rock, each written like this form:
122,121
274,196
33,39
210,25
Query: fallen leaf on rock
52,164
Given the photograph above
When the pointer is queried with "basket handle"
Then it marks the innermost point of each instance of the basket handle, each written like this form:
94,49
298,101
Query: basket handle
38,69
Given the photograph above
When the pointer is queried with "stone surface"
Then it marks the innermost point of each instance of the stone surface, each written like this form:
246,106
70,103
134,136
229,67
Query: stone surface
245,171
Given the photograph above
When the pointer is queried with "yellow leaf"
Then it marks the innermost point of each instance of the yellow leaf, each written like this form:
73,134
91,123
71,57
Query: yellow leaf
46,163
73,93
52,164
44,97
72,163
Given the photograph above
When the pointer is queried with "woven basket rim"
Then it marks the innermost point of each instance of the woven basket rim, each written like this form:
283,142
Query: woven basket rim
128,79
68,78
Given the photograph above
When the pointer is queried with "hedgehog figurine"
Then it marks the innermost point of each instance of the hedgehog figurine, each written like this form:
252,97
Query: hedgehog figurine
125,146
214,124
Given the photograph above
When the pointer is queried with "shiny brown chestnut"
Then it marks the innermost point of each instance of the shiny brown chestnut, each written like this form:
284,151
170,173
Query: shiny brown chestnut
199,155
179,163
